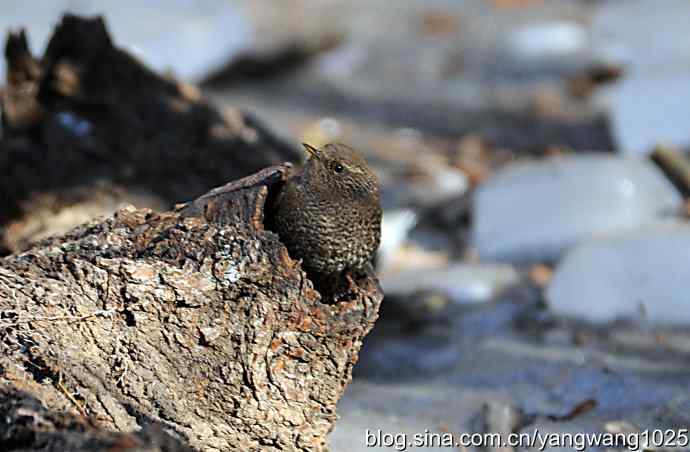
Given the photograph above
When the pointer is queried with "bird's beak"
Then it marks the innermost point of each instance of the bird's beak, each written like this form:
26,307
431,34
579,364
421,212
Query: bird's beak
312,151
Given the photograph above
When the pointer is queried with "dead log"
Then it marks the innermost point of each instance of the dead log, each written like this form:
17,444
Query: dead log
87,127
194,321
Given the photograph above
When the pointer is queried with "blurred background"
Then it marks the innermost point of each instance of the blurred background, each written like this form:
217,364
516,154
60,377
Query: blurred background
533,160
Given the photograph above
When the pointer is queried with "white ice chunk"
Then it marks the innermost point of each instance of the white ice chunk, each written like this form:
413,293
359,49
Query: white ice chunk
533,211
643,274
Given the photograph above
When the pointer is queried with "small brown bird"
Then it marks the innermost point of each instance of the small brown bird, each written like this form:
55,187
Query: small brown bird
329,213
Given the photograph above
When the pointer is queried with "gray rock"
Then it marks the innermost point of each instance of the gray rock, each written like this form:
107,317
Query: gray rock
652,44
643,36
638,125
462,283
533,211
641,275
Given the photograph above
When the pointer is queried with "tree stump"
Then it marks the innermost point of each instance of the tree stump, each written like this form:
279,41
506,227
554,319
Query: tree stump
194,321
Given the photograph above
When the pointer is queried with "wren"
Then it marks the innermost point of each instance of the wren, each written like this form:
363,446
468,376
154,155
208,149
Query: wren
328,214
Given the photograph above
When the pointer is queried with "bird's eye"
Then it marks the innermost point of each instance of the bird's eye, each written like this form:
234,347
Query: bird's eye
338,168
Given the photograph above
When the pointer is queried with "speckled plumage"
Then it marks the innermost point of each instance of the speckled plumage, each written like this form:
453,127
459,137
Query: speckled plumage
329,213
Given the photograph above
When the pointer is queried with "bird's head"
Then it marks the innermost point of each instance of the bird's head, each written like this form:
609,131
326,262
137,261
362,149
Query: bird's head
338,169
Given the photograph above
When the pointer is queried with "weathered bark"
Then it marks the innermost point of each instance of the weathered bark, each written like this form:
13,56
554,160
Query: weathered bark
195,321
88,126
